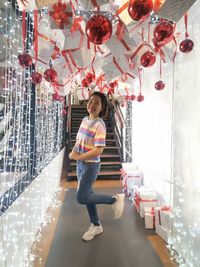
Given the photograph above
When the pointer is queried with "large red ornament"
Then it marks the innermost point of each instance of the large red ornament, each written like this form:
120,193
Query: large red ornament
148,59
25,60
60,14
186,46
36,77
163,30
159,85
140,98
140,9
50,75
98,29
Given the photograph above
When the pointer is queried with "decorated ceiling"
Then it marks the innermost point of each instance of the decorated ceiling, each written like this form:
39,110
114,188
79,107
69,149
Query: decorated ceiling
101,43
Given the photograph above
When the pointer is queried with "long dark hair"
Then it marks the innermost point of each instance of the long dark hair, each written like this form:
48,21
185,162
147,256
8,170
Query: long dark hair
104,102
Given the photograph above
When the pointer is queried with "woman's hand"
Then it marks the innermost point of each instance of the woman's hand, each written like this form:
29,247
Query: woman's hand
74,155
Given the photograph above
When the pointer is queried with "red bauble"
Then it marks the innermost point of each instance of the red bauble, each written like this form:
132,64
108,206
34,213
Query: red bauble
89,78
25,60
36,77
132,97
84,83
140,9
50,75
160,85
98,29
148,59
186,46
111,90
163,30
140,98
58,97
122,105
127,97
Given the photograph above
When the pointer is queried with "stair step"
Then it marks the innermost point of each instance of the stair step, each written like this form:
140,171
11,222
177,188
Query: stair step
102,163
104,173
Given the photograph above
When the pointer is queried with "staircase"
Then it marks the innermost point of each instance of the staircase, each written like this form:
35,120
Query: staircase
110,158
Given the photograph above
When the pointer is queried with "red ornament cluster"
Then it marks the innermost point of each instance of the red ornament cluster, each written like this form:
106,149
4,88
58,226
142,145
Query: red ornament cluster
89,78
98,29
140,9
25,60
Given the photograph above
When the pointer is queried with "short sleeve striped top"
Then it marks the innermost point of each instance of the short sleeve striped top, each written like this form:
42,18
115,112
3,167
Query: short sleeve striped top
92,133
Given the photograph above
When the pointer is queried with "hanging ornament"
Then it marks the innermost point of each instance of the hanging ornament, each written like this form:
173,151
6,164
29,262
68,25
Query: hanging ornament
61,14
98,29
186,45
36,77
89,78
58,97
50,75
132,97
163,30
140,9
148,59
140,98
25,60
84,83
159,85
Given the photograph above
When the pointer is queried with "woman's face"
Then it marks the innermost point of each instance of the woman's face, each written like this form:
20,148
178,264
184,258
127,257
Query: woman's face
94,106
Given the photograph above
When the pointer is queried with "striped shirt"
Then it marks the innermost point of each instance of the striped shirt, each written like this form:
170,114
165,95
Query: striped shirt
92,133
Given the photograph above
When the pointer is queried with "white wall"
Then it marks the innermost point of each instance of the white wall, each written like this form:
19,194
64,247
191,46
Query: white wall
20,223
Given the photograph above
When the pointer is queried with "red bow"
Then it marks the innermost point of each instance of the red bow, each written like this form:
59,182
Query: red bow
60,15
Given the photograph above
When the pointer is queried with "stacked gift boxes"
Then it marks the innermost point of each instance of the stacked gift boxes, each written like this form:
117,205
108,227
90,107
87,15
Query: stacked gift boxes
163,221
131,179
143,198
149,217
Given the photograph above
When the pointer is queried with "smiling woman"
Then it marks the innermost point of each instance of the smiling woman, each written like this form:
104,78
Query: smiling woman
90,142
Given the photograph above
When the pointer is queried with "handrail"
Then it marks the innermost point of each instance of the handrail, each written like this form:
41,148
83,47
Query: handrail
115,110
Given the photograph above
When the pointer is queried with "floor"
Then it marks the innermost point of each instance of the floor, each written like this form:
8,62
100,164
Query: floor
124,242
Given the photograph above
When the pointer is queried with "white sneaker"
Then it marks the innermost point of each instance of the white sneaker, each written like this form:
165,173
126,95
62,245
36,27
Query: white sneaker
118,206
92,231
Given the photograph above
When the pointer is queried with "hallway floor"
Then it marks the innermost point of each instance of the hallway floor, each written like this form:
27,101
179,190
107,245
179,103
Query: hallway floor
125,242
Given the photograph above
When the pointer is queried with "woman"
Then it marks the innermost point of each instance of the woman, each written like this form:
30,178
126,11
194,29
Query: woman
90,142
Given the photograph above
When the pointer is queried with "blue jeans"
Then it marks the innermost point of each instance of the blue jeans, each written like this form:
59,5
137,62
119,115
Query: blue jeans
87,173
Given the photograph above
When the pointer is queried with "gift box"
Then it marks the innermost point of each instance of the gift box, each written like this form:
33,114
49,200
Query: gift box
149,217
145,198
45,49
61,15
83,93
90,5
118,67
120,46
74,40
164,216
63,66
163,232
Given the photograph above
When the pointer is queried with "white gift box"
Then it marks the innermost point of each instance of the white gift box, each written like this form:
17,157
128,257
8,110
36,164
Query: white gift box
73,40
45,49
118,47
149,217
82,57
47,3
116,68
163,232
90,5
163,217
83,93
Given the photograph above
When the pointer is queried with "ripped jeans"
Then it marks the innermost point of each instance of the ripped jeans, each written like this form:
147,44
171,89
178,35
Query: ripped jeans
87,173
